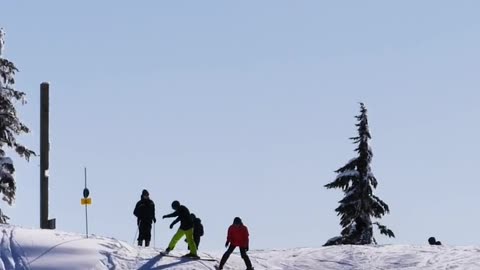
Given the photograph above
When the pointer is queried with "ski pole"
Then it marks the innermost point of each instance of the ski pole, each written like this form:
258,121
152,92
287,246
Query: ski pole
136,232
154,234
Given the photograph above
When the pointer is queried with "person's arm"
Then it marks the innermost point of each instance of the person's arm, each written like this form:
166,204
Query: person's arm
247,237
135,211
174,222
174,214
153,213
229,236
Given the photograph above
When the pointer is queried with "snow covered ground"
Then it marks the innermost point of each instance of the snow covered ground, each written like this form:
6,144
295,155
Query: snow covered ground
52,250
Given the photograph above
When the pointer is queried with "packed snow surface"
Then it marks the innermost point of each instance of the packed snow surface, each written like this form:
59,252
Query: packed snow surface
52,250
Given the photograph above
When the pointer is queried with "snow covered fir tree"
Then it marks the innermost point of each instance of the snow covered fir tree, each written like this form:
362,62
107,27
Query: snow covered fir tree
10,127
359,204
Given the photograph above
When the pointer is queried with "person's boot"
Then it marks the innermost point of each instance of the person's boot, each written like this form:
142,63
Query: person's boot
147,243
140,243
166,251
249,264
191,255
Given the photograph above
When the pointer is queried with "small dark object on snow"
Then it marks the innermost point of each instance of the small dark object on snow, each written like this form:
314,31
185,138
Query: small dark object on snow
433,241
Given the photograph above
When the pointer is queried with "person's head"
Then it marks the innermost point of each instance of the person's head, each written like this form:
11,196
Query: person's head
432,241
145,194
237,221
175,205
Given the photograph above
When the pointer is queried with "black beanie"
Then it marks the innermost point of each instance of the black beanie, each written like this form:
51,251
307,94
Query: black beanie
237,221
145,193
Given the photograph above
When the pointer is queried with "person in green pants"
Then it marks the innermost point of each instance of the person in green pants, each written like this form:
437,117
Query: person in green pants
186,228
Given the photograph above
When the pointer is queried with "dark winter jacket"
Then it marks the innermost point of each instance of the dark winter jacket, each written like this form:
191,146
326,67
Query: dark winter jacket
238,235
183,215
145,210
197,228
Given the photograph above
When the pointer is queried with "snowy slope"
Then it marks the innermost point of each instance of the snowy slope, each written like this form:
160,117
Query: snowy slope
44,249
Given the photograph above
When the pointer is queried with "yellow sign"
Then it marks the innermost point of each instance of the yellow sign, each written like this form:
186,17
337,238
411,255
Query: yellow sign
86,201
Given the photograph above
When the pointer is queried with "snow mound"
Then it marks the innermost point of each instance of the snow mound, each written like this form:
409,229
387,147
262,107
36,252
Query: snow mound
53,250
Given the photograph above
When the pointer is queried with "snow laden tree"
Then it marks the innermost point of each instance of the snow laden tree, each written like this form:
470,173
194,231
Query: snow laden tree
10,127
359,204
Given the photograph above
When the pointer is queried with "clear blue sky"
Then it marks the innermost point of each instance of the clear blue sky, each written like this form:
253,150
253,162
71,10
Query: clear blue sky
244,108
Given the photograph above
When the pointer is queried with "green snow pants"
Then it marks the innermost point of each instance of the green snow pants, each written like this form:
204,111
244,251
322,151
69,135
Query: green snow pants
189,234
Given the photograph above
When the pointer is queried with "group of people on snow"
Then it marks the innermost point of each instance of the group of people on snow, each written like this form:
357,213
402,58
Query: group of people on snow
191,227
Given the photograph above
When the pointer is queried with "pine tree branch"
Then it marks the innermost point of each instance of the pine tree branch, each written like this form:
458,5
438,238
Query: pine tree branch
384,230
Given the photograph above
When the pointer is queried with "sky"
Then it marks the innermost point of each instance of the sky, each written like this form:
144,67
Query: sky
244,108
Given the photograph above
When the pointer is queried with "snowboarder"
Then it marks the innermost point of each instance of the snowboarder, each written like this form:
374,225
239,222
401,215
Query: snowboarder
433,241
186,228
237,237
145,213
197,230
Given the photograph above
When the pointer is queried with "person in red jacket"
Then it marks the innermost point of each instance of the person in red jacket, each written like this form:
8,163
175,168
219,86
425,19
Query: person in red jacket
237,237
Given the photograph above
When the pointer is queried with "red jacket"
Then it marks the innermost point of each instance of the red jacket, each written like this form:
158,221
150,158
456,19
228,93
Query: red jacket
238,236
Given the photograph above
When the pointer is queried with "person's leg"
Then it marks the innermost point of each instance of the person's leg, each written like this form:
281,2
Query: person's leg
175,238
141,233
196,239
226,255
246,259
191,242
140,236
148,233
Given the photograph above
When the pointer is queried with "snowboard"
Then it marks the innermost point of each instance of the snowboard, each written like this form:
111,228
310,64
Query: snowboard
189,258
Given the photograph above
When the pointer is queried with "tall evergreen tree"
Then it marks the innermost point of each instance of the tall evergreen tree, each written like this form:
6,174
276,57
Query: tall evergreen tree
359,204
10,127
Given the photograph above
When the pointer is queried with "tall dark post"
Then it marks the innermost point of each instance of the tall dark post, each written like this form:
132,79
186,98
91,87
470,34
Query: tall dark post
86,192
44,157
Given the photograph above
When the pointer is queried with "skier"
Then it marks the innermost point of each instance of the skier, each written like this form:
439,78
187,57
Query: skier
433,241
145,213
197,230
186,228
237,237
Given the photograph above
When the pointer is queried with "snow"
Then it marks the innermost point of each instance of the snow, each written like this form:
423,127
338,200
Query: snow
348,173
5,160
2,41
53,250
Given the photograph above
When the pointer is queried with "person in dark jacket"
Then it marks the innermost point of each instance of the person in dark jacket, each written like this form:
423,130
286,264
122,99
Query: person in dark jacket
237,237
433,241
145,213
186,228
197,230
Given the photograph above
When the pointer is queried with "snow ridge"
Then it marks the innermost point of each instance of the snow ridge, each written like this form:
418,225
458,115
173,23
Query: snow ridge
30,249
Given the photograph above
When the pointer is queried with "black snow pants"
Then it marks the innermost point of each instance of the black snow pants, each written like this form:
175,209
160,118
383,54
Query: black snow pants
243,253
144,231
